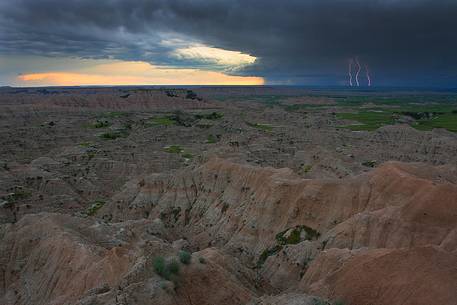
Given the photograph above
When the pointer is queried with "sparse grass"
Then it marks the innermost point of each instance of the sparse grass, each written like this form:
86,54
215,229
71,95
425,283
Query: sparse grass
112,135
267,253
94,207
264,127
368,120
371,163
187,155
86,144
19,194
101,124
211,139
295,235
159,266
173,267
305,168
174,149
446,120
185,257
115,114
163,121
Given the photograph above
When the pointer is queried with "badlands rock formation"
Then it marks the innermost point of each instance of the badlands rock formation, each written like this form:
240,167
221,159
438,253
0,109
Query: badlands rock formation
388,236
108,196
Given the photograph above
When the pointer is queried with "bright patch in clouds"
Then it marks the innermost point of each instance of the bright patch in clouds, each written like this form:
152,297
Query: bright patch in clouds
132,73
220,57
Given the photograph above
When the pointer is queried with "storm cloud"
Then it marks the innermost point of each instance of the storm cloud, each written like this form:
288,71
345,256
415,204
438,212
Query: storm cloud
295,42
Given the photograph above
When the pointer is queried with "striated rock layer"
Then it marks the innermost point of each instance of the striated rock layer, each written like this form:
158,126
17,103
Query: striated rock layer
257,236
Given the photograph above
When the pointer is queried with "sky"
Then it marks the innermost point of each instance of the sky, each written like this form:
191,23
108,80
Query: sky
229,42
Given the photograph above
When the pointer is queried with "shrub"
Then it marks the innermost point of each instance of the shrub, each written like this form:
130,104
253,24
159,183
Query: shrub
211,139
173,267
174,149
95,207
184,257
159,266
202,260
101,124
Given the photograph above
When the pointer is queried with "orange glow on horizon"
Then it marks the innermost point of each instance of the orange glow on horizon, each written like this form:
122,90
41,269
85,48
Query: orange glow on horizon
135,73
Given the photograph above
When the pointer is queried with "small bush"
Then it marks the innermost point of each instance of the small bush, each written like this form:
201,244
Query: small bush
101,124
174,149
185,257
95,207
173,267
211,139
187,155
110,135
202,260
159,266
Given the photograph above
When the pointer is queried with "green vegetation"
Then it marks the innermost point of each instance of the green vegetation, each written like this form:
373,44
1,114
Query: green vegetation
101,124
86,144
267,253
426,117
185,257
94,207
187,155
209,116
368,120
305,168
167,270
295,235
264,127
163,121
371,163
19,194
159,266
211,139
173,266
174,149
115,114
202,260
112,135
290,236
445,120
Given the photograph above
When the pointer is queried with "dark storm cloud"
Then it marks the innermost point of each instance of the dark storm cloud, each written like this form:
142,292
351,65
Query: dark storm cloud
308,41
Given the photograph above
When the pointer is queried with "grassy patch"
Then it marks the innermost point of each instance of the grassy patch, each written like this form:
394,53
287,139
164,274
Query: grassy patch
296,235
94,207
367,120
115,114
267,253
101,124
163,121
187,155
19,194
209,116
167,270
211,139
174,149
184,257
445,120
86,144
112,135
264,127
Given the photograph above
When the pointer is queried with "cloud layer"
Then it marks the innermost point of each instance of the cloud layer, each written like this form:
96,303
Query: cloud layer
404,42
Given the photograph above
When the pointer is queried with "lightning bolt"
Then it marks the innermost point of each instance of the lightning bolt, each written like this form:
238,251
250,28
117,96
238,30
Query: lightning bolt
368,75
351,62
359,68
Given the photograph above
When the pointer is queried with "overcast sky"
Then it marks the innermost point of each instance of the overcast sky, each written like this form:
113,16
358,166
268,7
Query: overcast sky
303,42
